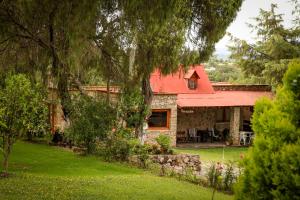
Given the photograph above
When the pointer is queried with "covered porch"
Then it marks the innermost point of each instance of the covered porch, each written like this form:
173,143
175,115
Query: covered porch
213,126
221,117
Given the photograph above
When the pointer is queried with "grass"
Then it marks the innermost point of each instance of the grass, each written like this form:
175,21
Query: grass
44,172
216,154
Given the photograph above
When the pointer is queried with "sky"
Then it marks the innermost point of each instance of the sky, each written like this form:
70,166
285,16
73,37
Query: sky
249,10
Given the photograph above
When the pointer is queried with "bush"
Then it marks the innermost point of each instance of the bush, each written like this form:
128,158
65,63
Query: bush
91,120
142,151
116,148
165,143
22,110
271,169
229,178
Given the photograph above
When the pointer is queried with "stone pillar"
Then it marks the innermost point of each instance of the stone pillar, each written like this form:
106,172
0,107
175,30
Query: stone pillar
235,116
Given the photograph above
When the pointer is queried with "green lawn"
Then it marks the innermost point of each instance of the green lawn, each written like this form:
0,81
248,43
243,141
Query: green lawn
216,154
44,172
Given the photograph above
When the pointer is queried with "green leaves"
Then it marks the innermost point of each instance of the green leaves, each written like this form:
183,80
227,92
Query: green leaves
274,48
92,119
272,167
22,106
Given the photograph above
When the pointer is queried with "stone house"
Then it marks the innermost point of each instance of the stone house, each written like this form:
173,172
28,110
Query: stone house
185,101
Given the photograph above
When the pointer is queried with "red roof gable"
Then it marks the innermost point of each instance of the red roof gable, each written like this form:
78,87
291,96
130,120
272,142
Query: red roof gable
190,73
177,84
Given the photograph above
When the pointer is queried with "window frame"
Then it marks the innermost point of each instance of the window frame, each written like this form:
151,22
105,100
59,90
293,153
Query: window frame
192,82
167,127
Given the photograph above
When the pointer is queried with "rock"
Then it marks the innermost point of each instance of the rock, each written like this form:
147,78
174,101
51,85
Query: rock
168,165
161,160
178,169
186,160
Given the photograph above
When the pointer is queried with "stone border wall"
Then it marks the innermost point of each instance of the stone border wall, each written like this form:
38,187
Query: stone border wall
179,164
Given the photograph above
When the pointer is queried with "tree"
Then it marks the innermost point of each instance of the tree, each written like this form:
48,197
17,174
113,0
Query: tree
49,37
134,38
38,113
92,119
159,32
219,70
272,167
266,61
19,103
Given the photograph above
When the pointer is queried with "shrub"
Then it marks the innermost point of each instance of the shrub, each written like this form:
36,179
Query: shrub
214,177
229,177
91,120
142,151
165,143
22,110
271,169
116,148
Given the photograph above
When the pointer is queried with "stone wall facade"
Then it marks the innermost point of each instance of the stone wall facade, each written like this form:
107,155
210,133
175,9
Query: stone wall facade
200,118
164,101
179,164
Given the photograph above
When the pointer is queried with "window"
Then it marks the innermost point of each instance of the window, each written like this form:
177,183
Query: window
192,84
159,119
223,114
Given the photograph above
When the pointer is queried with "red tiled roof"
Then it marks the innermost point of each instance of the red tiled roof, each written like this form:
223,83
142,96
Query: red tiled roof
221,98
190,73
176,84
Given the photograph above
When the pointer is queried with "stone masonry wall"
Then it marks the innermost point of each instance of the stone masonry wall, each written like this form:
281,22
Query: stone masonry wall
201,118
164,101
179,164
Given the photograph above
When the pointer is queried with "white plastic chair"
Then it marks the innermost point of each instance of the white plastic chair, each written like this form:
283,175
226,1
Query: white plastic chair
213,135
245,137
192,133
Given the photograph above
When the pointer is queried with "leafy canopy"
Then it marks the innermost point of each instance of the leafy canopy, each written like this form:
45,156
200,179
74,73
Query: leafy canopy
272,167
267,59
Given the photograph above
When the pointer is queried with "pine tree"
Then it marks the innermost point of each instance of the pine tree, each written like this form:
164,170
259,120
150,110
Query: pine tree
272,168
266,61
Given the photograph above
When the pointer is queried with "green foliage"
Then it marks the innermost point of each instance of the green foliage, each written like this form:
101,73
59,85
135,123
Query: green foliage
214,175
229,177
222,71
91,120
272,165
165,142
37,124
142,152
131,101
266,61
47,172
116,148
120,145
22,109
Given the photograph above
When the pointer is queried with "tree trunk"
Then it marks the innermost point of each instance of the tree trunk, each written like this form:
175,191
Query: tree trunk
108,85
148,96
7,149
63,92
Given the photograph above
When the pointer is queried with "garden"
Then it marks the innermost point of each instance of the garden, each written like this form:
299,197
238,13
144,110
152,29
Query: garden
41,171
94,147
